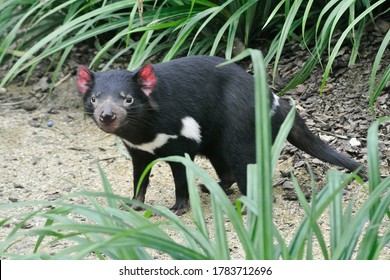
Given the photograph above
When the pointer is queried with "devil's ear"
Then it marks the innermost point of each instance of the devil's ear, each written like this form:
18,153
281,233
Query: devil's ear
84,79
147,79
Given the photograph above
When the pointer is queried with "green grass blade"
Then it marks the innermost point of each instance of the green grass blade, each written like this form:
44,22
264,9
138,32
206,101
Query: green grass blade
285,31
335,211
196,204
263,158
381,85
221,244
107,187
187,28
375,67
356,42
48,222
335,16
273,13
231,38
305,71
233,18
304,19
342,38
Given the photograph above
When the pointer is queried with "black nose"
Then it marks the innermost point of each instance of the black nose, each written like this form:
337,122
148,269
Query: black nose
107,116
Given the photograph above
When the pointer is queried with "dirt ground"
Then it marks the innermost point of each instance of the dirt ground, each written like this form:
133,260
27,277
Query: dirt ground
46,142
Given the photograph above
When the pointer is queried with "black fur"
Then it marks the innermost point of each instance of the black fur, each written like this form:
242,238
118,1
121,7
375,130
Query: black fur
138,105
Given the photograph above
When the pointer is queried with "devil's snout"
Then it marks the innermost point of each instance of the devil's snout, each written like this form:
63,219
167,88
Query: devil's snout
107,116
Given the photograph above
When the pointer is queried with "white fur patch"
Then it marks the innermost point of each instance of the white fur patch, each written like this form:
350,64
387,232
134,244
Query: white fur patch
191,129
275,105
160,140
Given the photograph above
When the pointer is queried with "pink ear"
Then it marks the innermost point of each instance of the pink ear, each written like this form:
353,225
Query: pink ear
84,79
147,79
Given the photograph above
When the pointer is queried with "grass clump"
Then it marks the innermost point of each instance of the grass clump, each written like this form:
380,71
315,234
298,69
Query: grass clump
33,31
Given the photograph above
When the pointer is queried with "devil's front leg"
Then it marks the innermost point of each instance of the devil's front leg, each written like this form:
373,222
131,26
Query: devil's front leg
180,147
140,160
181,188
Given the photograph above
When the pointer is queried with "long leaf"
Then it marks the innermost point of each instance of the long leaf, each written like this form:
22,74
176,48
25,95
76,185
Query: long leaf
375,67
342,38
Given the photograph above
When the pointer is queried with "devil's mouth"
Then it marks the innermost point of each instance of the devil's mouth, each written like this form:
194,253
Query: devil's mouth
109,128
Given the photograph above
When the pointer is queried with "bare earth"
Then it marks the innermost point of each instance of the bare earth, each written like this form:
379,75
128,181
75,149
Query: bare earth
46,143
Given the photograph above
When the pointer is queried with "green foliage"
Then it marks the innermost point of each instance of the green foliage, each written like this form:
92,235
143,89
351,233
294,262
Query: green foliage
32,31
110,229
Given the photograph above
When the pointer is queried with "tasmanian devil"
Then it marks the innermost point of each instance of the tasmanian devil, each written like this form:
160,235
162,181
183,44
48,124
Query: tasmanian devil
189,105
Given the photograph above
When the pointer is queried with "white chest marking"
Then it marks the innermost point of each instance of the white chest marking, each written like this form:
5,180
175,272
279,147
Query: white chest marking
160,140
191,129
275,105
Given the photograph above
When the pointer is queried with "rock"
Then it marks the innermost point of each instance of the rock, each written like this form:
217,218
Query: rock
383,26
34,160
13,199
238,47
301,88
30,105
300,163
18,186
327,138
354,142
27,226
42,85
288,185
34,122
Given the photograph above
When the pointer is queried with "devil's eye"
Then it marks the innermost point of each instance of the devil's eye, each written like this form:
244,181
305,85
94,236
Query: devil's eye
129,100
